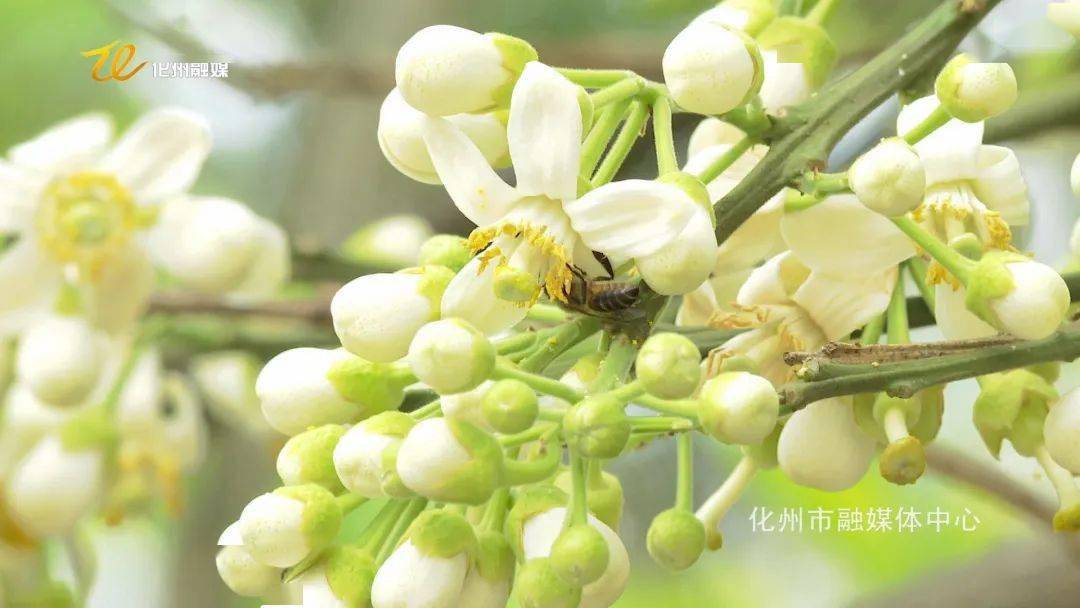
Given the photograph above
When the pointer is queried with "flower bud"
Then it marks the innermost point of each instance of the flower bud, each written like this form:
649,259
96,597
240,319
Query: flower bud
1013,405
309,458
389,243
243,575
468,406
510,406
361,455
1066,15
285,526
597,427
799,55
738,407
750,16
538,586
451,356
342,580
444,70
488,583
1062,431
450,461
604,496
402,143
377,315
676,539
430,565
822,447
973,92
580,555
296,391
669,366
53,486
447,250
60,360
712,69
1022,297
226,380
889,179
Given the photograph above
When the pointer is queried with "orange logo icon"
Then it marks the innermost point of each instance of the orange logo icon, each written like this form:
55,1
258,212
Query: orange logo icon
120,62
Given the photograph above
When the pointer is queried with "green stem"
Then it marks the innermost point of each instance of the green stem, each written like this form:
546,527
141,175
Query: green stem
380,527
686,408
684,485
827,183
871,332
412,510
562,340
496,510
822,11
725,160
530,434
595,78
957,265
897,314
661,424
600,136
543,384
797,201
934,121
547,313
916,267
616,364
523,472
579,511
628,136
624,89
667,159
428,410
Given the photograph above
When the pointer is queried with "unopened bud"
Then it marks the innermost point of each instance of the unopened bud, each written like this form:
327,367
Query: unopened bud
447,250
538,586
245,576
390,243
597,427
510,406
309,458
580,555
450,461
712,69
889,178
284,527
973,92
738,407
451,356
60,360
669,366
361,455
676,539
1022,297
1062,431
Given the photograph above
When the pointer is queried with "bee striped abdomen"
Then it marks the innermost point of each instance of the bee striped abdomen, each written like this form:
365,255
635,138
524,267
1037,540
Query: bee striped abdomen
610,296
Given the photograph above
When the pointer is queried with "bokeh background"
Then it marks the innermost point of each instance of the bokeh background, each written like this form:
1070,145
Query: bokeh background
294,129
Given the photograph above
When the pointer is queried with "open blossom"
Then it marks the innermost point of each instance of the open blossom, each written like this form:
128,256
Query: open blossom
79,203
531,234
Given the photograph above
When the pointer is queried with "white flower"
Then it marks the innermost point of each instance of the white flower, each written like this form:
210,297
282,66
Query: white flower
451,356
402,142
283,527
1061,431
449,461
1037,303
1065,15
53,487
360,456
889,179
953,318
821,446
711,68
443,69
749,16
410,578
78,205
296,392
786,83
973,91
969,187
539,533
479,592
217,245
738,407
377,315
683,265
534,232
245,576
26,419
61,359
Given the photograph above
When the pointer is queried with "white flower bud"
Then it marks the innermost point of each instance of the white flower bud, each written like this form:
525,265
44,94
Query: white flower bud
343,579
377,315
712,69
428,569
213,244
1061,431
822,447
53,486
539,534
467,406
390,243
283,527
451,356
360,457
1075,176
889,179
243,575
296,391
309,458
1066,15
449,461
973,92
26,419
226,379
669,366
1037,303
738,407
443,69
403,145
61,360
750,16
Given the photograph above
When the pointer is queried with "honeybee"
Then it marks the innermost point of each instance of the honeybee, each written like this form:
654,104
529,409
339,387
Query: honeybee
602,295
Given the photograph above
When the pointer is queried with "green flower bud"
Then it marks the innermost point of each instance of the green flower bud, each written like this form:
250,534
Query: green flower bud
349,573
494,557
580,555
1013,405
669,366
375,387
538,586
447,250
451,356
738,407
442,533
510,406
597,427
309,458
676,539
974,92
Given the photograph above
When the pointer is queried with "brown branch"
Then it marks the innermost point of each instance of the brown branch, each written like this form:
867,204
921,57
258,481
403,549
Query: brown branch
850,353
314,310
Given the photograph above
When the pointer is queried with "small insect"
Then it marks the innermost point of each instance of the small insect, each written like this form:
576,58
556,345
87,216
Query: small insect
601,296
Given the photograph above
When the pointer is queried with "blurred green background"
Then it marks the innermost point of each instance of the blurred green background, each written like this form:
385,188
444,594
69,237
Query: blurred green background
310,160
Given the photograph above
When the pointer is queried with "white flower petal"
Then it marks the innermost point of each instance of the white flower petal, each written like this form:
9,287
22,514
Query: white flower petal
841,236
120,295
757,239
953,318
271,266
715,295
70,144
685,263
471,296
631,218
773,282
822,447
839,306
18,198
712,132
480,194
161,154
951,152
544,132
1000,185
31,282
785,84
